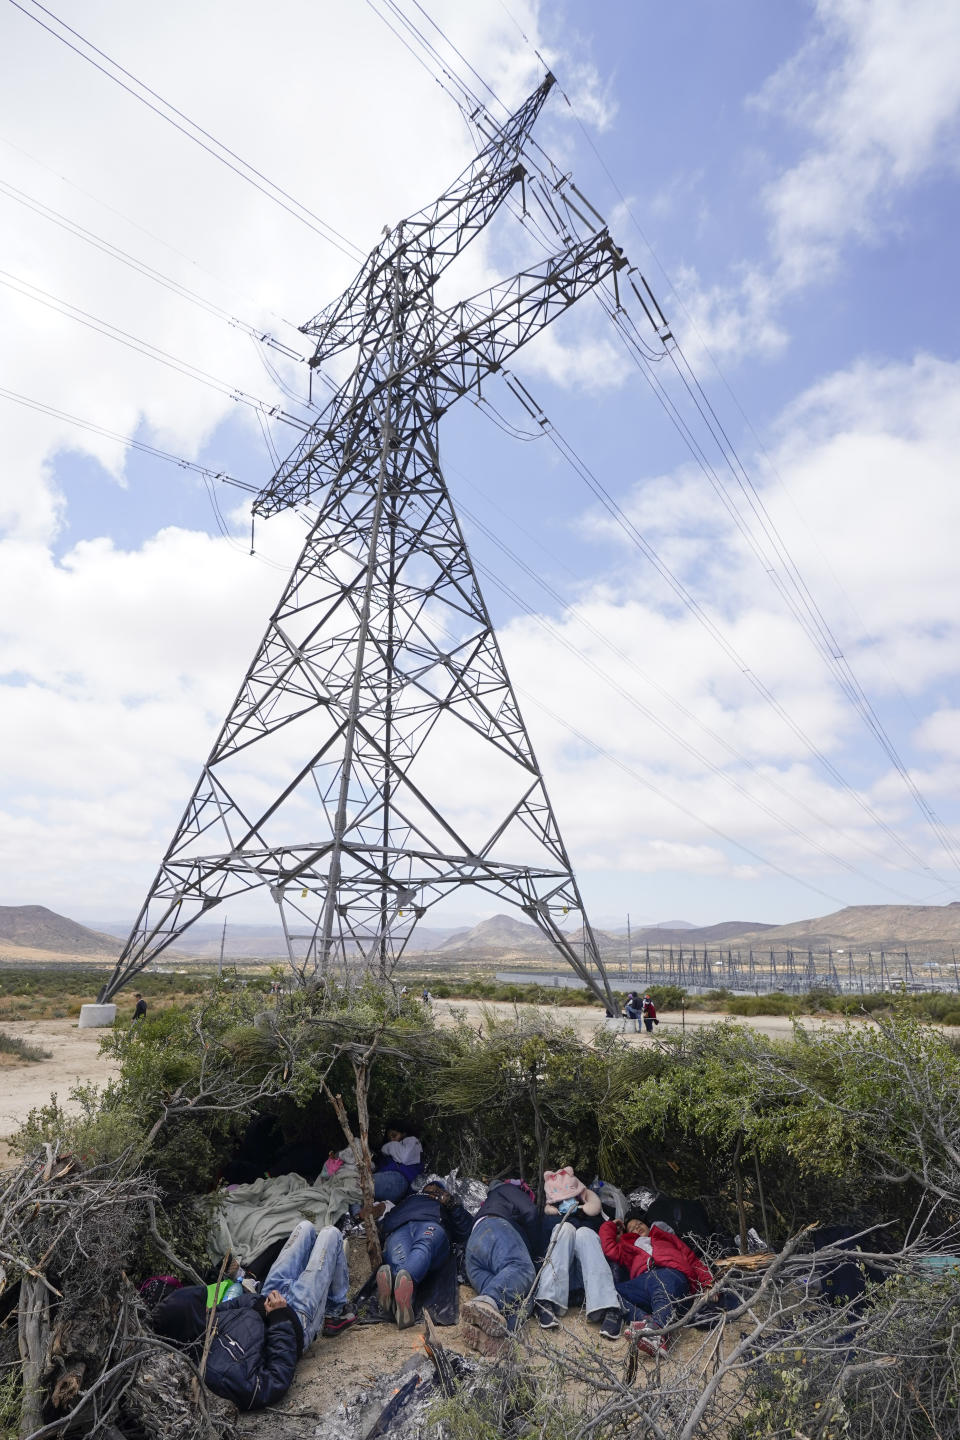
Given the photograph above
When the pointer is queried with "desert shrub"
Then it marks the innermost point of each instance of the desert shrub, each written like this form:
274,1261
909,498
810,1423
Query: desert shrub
23,1049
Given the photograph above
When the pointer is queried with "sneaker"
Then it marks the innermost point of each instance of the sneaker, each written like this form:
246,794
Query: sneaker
337,1320
611,1325
403,1299
385,1289
646,1336
546,1314
483,1314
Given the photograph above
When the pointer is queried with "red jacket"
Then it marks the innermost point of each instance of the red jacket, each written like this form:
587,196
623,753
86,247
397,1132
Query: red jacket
669,1252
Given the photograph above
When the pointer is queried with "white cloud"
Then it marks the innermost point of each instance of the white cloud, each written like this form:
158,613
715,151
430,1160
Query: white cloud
875,94
867,461
877,89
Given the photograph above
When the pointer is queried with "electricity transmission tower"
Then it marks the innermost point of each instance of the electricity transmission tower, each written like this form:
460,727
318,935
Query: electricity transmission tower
377,726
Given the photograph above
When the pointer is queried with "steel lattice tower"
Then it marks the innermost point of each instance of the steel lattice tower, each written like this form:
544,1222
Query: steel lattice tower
379,693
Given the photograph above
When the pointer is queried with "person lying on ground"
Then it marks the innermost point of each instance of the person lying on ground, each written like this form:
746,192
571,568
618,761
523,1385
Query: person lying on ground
399,1162
508,1235
258,1339
662,1269
417,1234
575,1261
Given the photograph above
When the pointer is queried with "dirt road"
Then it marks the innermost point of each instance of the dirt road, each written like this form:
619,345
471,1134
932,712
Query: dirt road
586,1022
27,1084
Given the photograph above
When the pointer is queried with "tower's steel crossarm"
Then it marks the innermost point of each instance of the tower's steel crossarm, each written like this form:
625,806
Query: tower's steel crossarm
377,716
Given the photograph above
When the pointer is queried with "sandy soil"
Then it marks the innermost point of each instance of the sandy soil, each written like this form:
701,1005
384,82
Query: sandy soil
25,1084
587,1022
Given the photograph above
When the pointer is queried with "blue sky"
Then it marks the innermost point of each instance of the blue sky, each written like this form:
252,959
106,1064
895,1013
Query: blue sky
793,167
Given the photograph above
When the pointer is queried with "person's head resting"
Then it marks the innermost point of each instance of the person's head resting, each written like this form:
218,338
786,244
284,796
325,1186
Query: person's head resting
399,1129
434,1190
635,1223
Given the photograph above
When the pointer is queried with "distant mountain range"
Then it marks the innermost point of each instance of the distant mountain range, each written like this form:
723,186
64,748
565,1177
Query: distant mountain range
34,933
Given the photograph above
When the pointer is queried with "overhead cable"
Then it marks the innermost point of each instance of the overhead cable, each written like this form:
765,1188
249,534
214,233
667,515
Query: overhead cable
191,129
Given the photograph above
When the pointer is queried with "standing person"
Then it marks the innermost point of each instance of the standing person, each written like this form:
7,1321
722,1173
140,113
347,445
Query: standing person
575,1260
649,1012
662,1270
416,1239
140,1009
506,1236
633,1009
258,1339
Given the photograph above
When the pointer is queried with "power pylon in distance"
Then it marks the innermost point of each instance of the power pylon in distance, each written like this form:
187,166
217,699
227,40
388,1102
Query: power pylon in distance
377,728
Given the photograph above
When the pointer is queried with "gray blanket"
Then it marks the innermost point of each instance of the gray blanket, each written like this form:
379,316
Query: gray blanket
247,1218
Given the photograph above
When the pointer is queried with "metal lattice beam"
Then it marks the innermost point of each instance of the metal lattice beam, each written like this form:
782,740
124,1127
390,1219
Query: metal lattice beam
379,697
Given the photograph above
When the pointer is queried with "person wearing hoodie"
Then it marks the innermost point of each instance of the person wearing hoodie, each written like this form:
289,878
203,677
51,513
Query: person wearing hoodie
257,1339
508,1235
399,1162
416,1236
575,1260
661,1268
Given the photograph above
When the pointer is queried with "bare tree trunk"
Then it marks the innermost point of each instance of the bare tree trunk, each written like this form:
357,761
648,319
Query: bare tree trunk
360,1145
33,1334
741,1207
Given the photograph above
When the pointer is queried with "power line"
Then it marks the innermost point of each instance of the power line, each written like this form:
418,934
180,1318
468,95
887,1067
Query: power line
194,131
144,347
107,247
795,593
574,612
205,470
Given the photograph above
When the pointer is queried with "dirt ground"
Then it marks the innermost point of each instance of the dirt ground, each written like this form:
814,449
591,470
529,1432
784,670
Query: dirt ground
341,1379
25,1084
587,1022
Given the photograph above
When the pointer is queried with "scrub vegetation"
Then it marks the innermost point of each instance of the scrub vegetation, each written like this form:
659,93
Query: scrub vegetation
854,1125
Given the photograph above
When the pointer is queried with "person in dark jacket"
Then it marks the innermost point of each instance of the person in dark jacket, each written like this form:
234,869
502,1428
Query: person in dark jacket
140,1009
508,1233
258,1339
417,1234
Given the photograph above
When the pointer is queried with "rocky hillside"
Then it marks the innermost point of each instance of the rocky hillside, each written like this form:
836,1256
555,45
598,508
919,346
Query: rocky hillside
35,928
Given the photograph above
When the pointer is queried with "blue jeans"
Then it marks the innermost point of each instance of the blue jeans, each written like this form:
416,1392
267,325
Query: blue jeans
653,1294
576,1262
417,1247
390,1185
499,1266
310,1269
633,1014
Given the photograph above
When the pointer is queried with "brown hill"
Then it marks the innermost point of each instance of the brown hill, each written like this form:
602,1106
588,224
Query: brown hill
500,932
35,928
699,934
867,927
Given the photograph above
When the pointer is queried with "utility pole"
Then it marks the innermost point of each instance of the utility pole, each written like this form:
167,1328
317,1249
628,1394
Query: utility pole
379,682
223,941
629,949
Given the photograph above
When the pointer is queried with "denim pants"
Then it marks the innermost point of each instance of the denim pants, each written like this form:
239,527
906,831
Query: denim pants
390,1185
633,1014
499,1266
653,1294
417,1247
310,1268
576,1262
